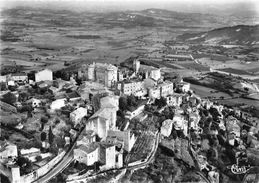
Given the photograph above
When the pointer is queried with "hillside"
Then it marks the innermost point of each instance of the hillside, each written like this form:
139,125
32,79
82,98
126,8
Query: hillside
239,35
127,19
165,18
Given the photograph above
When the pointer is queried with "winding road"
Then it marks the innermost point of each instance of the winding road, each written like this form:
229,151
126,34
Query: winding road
61,165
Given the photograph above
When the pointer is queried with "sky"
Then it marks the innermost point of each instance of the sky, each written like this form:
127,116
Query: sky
200,6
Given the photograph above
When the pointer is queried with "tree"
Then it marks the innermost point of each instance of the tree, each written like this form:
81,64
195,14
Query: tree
3,86
96,102
26,108
23,97
51,136
24,164
44,119
123,103
43,136
160,102
131,100
9,98
38,158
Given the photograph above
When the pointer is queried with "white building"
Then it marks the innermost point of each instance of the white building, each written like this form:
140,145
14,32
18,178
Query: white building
161,90
35,102
155,74
87,154
77,115
166,88
57,104
44,75
184,86
110,101
7,149
154,92
30,152
180,123
130,87
194,118
166,128
108,155
126,136
174,99
136,65
86,137
19,77
135,112
103,120
3,78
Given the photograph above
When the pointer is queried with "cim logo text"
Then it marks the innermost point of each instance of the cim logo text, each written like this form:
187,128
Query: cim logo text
238,170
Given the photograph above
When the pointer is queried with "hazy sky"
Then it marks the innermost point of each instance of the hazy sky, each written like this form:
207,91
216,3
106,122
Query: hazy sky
204,6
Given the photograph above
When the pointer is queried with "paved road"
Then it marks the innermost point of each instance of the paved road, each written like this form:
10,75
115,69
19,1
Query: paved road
61,165
68,158
134,167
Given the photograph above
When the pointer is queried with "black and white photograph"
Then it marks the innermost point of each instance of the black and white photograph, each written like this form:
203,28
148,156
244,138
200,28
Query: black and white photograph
129,91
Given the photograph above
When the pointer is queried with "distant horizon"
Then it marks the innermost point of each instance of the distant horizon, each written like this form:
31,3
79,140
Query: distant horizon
229,7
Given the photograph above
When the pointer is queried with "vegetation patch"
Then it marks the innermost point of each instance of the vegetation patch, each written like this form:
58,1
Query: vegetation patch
84,36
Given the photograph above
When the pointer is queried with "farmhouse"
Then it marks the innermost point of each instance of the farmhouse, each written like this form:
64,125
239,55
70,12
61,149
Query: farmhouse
87,154
44,75
19,77
77,115
134,112
7,149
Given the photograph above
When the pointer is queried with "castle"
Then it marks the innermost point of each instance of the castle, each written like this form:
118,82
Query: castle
104,73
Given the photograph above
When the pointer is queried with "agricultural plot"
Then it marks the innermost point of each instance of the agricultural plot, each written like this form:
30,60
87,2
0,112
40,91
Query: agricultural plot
142,147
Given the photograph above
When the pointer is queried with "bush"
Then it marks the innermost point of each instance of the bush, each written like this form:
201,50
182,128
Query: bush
3,86
57,121
23,97
9,98
38,158
26,108
44,119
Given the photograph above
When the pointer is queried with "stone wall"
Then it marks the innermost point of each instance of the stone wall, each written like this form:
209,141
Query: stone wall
42,170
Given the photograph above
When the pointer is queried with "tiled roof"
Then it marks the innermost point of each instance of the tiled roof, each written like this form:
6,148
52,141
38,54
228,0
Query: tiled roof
88,148
19,74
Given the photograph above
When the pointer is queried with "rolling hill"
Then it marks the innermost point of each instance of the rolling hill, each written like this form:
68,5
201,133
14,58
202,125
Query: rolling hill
127,19
237,35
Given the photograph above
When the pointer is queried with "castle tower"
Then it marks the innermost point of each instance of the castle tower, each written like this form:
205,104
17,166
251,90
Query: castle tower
120,76
15,173
91,75
109,77
155,74
136,65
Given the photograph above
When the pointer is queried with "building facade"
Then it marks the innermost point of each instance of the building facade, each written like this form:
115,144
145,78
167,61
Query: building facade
77,115
125,136
44,75
87,154
130,87
104,73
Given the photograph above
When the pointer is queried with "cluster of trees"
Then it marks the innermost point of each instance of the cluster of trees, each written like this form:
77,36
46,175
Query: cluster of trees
125,102
9,98
25,165
65,75
3,86
160,102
